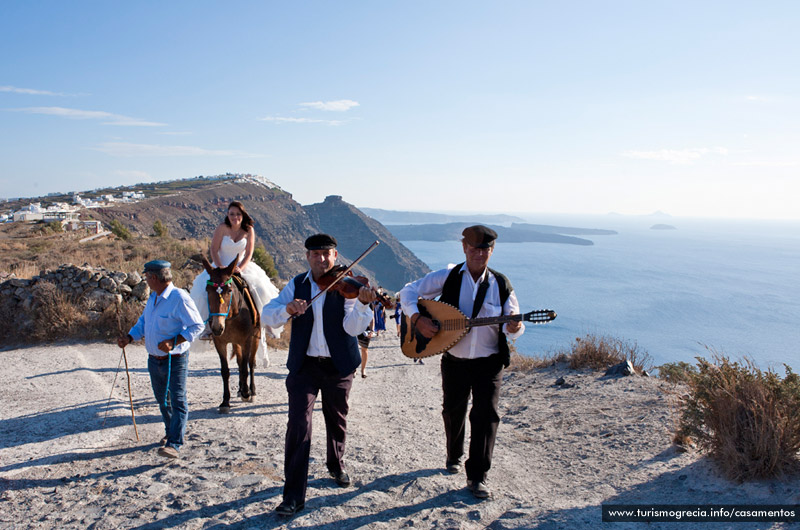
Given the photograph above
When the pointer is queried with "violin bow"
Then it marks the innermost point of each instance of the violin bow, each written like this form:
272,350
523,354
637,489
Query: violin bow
346,270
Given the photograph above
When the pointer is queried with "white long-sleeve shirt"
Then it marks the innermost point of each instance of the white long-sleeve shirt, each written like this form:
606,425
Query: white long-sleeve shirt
481,341
357,316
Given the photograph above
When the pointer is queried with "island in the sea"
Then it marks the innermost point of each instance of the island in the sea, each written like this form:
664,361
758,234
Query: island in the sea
662,227
515,233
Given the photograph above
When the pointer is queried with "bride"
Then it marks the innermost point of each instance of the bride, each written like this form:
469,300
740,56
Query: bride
235,238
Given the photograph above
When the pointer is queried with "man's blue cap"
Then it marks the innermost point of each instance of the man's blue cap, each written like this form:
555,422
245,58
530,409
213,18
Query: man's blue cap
156,265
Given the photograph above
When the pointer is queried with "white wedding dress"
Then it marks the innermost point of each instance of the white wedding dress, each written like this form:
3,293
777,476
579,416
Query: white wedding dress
261,288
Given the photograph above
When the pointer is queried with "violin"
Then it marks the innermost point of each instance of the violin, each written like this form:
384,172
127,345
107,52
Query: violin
349,285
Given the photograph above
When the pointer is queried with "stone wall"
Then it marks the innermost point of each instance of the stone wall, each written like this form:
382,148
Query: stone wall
93,287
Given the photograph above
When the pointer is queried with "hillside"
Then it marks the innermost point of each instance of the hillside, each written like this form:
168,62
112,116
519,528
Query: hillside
281,225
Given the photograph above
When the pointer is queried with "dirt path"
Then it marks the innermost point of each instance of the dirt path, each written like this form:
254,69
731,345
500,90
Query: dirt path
561,453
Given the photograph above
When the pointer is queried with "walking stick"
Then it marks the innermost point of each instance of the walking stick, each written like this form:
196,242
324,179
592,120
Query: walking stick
127,373
113,384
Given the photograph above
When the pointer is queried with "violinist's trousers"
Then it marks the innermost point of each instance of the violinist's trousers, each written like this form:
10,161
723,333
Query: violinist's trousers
317,374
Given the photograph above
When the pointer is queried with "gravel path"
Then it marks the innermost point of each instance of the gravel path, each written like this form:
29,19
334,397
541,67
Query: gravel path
561,452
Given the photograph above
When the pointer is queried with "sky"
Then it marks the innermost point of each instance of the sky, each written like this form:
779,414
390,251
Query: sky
587,107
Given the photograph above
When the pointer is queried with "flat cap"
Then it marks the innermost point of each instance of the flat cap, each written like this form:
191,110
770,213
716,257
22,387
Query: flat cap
320,242
156,265
479,236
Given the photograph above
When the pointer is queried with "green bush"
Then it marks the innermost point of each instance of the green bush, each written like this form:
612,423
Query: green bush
677,373
746,419
263,259
160,229
119,230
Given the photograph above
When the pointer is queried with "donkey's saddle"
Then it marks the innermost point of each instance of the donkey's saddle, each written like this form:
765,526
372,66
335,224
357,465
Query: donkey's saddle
241,283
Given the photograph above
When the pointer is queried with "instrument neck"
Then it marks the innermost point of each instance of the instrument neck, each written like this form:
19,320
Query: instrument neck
488,321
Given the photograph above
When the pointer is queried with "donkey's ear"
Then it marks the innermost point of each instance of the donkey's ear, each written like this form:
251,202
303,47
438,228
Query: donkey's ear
207,266
231,265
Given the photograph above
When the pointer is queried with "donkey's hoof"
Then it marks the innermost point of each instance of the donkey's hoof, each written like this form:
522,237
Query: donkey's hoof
248,399
224,410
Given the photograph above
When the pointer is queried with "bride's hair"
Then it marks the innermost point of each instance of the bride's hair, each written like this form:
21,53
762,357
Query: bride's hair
247,221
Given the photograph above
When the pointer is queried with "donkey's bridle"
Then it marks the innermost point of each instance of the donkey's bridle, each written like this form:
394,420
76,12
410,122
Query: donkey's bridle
218,287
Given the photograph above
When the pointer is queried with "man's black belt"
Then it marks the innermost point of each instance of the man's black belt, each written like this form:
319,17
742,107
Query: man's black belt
162,357
319,359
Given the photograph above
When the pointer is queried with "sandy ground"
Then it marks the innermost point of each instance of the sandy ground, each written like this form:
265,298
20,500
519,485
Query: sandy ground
560,454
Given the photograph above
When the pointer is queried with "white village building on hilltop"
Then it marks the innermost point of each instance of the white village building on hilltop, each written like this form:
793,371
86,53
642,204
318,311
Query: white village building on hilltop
69,214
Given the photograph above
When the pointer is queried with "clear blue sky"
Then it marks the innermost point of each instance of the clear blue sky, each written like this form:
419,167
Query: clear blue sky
532,106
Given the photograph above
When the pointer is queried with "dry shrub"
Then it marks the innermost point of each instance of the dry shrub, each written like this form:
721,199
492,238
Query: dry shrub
116,320
55,315
25,269
746,419
27,254
523,363
600,352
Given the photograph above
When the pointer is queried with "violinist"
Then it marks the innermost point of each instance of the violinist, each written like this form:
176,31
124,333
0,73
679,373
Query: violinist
474,365
323,356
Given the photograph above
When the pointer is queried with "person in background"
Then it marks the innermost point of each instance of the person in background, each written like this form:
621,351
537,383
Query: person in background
363,344
398,314
323,356
379,318
169,323
474,365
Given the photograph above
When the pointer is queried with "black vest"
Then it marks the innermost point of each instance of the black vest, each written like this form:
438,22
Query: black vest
343,347
451,293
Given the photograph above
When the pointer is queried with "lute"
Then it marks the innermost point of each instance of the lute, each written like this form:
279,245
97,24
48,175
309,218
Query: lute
453,325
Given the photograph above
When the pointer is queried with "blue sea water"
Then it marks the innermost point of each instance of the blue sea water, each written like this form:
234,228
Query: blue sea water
727,286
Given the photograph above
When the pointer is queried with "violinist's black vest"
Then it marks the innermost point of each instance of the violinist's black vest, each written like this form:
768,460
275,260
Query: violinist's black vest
451,293
343,347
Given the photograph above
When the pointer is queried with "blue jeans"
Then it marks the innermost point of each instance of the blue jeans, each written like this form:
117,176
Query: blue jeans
176,410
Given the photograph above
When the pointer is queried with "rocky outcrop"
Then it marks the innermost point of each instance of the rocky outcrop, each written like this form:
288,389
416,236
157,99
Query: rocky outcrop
391,263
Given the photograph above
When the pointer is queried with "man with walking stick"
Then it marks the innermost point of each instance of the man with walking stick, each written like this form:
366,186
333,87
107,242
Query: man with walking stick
169,322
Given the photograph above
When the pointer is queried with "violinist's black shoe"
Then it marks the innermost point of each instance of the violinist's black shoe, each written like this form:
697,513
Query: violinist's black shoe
479,489
289,507
341,477
453,467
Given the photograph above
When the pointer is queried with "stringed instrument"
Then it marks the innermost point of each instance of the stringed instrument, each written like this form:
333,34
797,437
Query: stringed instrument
453,325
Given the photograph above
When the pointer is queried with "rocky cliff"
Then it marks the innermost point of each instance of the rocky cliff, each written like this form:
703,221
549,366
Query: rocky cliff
391,262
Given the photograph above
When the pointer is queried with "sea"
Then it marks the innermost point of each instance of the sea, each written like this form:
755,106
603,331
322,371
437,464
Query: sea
707,287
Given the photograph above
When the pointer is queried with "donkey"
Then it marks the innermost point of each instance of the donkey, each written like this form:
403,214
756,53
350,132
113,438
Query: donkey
232,322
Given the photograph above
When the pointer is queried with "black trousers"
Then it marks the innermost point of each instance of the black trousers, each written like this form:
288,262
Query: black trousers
303,387
482,378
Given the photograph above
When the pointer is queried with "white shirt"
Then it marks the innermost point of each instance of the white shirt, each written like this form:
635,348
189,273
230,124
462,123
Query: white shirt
357,316
481,341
